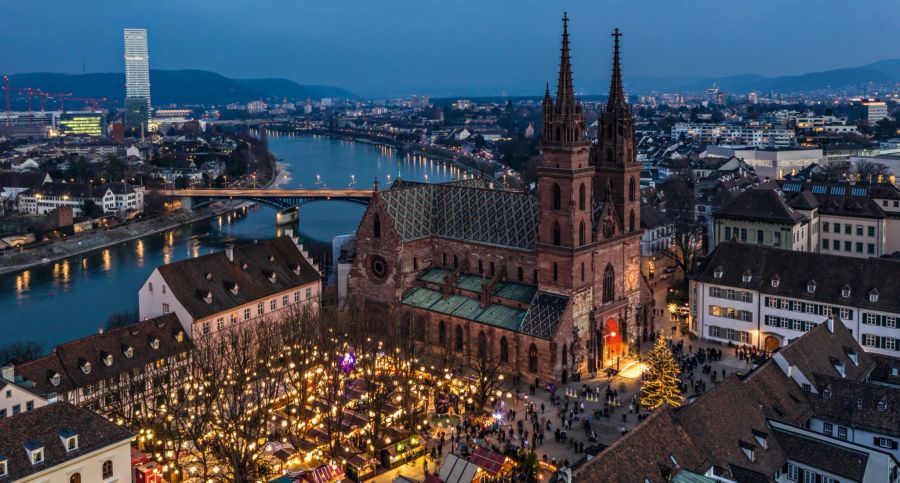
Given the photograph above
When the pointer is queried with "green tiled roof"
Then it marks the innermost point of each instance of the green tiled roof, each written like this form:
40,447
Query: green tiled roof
470,309
449,304
516,291
469,282
434,275
502,316
421,297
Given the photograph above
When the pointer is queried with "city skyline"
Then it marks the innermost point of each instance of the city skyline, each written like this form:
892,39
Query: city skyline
509,46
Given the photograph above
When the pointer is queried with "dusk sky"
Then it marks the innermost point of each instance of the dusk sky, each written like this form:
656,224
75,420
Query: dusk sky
409,46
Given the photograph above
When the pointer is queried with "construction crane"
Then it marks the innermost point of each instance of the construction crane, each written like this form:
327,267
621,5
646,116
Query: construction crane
92,102
6,91
59,95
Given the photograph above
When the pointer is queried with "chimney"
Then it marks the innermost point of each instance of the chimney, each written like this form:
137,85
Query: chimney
8,372
229,252
99,329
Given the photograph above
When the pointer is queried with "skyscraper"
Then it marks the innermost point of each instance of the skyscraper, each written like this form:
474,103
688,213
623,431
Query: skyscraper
137,78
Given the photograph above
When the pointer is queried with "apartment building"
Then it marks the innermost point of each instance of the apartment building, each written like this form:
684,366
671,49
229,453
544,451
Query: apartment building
761,216
241,285
755,295
751,135
117,198
16,399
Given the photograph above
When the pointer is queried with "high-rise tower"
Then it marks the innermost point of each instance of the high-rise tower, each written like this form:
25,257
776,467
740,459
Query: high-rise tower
565,187
137,78
618,172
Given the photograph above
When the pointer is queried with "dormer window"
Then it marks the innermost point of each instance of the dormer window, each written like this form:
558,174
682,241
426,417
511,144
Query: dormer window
811,286
69,439
839,367
179,336
128,351
749,450
761,438
35,452
845,291
107,360
859,404
851,354
295,268
4,470
154,343
718,272
234,288
85,367
775,281
873,296
207,297
54,379
271,258
747,276
882,406
209,275
244,266
271,276
826,393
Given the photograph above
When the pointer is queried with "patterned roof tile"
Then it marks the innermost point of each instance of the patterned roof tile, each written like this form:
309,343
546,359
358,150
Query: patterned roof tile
544,315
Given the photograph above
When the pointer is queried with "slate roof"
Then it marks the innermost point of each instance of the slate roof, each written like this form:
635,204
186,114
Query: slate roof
653,218
834,459
855,404
68,358
544,315
494,217
191,280
830,346
761,205
795,269
21,180
42,426
73,190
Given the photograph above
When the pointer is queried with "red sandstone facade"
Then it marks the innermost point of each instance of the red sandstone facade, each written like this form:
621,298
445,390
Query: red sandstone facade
549,284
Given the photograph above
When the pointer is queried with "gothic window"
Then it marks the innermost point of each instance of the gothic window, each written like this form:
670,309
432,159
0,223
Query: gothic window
534,276
631,189
582,271
442,333
504,350
520,274
532,358
565,356
631,221
557,197
608,229
482,346
555,272
492,269
445,259
455,261
609,284
376,226
378,268
459,339
415,263
581,233
480,266
556,233
581,196
420,329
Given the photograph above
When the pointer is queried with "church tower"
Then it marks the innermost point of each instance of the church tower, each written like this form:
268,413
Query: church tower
618,172
565,187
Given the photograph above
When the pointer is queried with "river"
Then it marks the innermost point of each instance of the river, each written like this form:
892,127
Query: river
68,299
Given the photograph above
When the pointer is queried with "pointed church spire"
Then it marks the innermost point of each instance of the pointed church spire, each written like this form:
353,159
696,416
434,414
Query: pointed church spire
616,92
565,91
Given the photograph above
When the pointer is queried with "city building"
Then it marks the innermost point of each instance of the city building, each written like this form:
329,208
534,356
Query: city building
13,184
763,217
15,398
117,198
771,163
82,124
755,295
137,79
819,410
548,285
868,111
246,284
118,372
751,135
62,443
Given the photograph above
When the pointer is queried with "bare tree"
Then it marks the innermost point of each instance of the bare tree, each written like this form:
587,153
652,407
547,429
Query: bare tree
686,247
487,378
20,352
870,170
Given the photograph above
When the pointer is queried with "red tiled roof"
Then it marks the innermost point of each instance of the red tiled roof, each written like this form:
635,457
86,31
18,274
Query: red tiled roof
487,460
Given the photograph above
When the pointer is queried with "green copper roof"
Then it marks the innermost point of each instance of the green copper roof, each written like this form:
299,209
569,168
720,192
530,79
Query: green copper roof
516,291
434,275
501,316
470,309
449,304
470,282
421,297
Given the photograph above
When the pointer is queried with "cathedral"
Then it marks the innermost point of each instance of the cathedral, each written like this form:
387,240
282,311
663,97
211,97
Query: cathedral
548,285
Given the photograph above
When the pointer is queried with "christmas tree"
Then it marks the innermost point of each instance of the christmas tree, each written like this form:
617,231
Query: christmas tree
661,384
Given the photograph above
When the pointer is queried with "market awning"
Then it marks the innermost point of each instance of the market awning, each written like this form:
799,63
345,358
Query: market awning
488,460
457,470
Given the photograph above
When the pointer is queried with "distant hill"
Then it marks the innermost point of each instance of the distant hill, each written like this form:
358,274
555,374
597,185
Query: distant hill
176,86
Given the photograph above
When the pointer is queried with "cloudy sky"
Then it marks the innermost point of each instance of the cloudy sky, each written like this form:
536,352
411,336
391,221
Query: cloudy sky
406,46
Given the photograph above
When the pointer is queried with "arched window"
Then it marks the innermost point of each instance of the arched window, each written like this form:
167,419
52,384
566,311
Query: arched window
557,197
520,274
565,356
631,189
631,221
442,333
420,329
582,271
534,276
480,266
107,469
75,478
504,350
556,233
459,338
581,197
415,263
581,233
555,272
609,284
445,260
376,226
532,358
492,269
455,261
482,346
